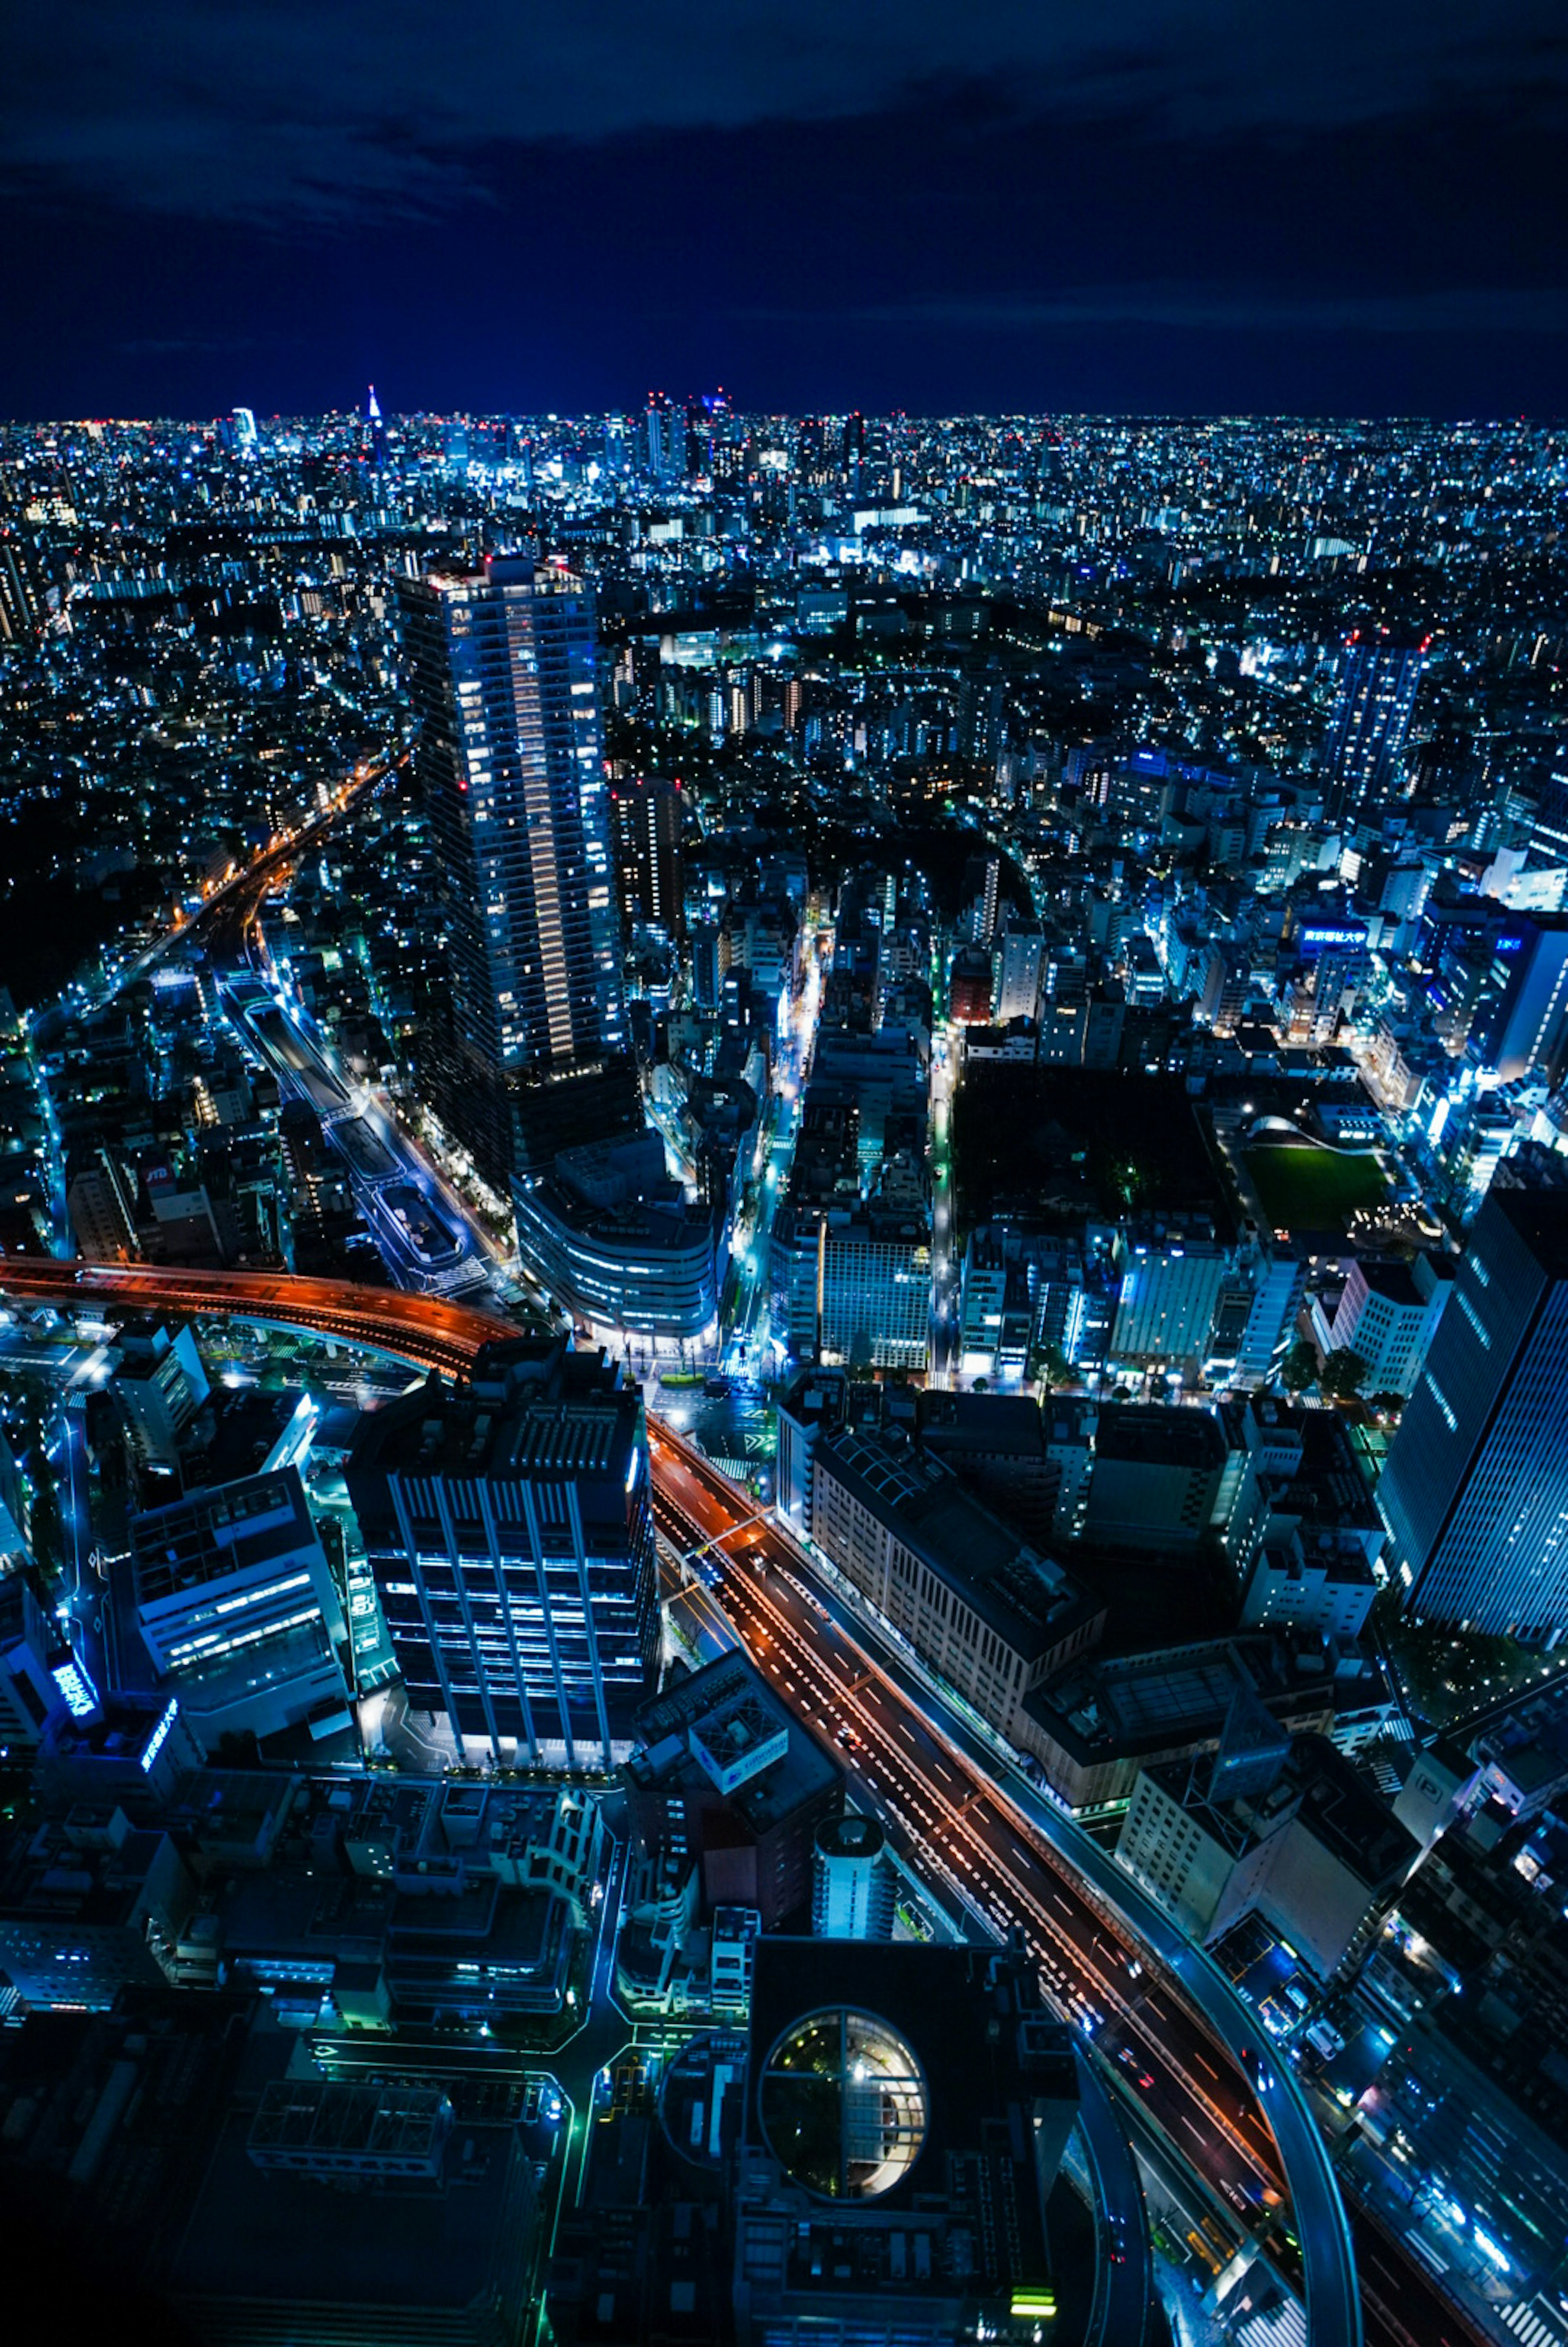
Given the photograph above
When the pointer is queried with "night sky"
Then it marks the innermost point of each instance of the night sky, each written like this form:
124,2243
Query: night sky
994,204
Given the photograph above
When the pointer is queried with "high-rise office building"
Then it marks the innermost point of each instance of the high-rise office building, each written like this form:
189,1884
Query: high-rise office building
1475,1491
1523,1026
662,438
501,673
645,820
28,1690
1020,966
1379,677
100,1204
1549,826
21,590
509,1526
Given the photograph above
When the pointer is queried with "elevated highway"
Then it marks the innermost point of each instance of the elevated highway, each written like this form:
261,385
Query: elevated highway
425,1331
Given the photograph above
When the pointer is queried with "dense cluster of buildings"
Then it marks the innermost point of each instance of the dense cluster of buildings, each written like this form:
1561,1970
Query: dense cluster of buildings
1032,957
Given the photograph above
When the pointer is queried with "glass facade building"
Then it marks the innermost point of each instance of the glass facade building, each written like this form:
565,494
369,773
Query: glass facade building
1475,1491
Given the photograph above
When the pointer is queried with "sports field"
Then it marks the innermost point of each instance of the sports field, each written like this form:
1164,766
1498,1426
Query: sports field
1313,1189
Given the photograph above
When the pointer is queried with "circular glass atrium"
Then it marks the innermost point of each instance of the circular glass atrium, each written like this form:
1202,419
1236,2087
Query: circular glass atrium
843,2103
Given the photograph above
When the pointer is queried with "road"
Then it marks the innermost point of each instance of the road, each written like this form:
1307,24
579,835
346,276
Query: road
368,775
744,1340
957,1824
425,1331
956,1831
423,1235
1124,2290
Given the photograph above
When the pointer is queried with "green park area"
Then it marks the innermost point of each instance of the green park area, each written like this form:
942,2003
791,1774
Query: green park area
1308,1189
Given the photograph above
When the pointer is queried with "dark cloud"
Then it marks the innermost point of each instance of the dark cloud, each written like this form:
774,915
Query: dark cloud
1135,204
287,110
1227,310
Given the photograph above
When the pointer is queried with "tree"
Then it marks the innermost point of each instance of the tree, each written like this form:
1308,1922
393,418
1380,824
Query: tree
1298,1367
1344,1373
1050,1366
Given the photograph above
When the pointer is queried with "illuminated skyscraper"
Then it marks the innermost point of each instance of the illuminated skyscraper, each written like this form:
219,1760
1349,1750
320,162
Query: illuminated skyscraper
1475,1492
663,436
509,1525
646,815
501,673
1524,1024
1378,678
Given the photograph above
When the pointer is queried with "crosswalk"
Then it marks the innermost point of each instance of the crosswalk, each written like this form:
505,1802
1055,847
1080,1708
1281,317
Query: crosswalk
1536,2322
1283,2324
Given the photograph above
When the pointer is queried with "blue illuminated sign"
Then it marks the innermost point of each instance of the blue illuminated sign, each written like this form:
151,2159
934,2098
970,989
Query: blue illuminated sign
81,1695
159,1736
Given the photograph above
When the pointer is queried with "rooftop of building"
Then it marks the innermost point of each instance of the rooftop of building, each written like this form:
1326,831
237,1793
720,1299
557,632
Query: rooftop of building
528,1409
214,1533
1026,1598
985,1425
1391,1278
663,1221
973,2051
179,2054
120,1730
1310,1780
95,1875
235,1432
1535,1723
1540,1217
266,2235
1102,1708
1147,1434
849,1836
803,1772
1328,1489
229,1811
1348,1818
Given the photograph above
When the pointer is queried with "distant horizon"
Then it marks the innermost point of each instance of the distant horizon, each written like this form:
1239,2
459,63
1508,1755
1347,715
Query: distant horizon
1479,417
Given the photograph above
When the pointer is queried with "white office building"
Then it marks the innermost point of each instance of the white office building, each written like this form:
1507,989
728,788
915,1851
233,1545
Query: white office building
236,1606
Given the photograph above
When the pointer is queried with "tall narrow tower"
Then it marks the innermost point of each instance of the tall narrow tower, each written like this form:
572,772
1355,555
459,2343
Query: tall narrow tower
1378,678
500,669
378,431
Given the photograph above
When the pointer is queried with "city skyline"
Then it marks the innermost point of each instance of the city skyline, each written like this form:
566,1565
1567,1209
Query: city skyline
732,1140
784,1173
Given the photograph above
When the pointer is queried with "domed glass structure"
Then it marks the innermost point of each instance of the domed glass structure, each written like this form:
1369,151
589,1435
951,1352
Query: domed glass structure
842,2101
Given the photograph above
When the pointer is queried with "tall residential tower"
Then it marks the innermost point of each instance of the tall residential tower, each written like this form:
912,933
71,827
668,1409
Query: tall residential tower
501,673
1367,732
